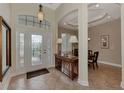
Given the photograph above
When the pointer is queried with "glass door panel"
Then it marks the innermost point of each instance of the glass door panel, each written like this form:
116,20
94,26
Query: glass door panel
37,43
21,49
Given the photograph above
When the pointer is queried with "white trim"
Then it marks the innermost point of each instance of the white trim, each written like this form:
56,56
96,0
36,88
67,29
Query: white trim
84,83
122,85
51,66
109,63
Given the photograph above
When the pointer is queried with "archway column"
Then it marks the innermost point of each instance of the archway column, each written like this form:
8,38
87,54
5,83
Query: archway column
83,44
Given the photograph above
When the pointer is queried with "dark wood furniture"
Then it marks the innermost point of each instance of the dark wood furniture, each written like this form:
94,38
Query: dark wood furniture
90,54
68,66
93,59
4,28
75,52
58,62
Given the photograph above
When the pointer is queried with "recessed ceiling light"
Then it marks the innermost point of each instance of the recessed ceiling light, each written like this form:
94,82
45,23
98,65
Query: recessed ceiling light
97,5
64,23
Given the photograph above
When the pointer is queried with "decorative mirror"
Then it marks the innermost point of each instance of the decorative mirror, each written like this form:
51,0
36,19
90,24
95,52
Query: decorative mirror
5,47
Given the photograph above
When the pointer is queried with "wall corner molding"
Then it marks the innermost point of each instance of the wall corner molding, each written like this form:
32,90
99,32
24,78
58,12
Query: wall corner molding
109,63
83,83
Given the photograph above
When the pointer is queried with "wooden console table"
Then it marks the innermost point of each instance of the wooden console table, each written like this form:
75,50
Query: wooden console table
68,66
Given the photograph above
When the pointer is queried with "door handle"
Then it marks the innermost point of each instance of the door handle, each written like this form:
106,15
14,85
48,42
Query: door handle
44,51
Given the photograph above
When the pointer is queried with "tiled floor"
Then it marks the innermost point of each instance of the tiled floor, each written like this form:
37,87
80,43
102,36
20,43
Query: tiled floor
106,77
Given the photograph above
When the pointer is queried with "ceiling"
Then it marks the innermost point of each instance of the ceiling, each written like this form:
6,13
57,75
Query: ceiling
53,6
97,14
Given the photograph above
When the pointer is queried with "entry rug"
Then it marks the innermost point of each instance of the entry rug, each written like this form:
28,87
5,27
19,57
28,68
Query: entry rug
37,73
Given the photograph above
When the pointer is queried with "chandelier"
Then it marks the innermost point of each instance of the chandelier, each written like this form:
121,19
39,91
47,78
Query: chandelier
40,13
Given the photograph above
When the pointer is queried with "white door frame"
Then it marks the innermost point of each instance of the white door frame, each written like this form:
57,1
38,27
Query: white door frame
38,32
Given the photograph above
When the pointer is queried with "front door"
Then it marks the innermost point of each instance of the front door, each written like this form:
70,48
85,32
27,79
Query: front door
33,50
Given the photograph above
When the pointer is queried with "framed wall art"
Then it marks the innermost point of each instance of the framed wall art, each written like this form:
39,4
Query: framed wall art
105,41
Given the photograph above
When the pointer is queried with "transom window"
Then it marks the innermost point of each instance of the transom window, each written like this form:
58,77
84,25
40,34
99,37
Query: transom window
29,20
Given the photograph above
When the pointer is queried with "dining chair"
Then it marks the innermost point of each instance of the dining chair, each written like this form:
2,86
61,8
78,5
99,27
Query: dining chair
90,54
94,59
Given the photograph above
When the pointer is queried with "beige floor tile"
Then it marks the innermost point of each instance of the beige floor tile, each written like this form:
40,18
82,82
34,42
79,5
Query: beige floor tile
106,77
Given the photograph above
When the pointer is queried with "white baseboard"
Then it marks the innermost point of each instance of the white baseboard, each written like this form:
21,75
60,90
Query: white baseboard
84,83
109,63
52,66
122,85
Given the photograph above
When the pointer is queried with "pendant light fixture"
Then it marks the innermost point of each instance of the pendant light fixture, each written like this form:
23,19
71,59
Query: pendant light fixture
40,13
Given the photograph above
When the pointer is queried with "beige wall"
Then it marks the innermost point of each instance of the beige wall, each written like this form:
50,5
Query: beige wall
113,29
5,12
